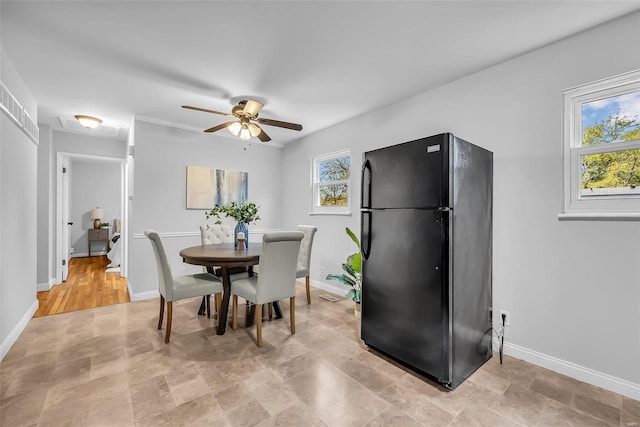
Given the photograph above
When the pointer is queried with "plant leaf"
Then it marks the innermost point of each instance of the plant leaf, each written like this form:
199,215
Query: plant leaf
349,269
341,278
356,262
353,237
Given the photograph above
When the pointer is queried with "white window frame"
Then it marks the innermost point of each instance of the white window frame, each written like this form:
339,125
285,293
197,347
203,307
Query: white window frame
316,209
575,206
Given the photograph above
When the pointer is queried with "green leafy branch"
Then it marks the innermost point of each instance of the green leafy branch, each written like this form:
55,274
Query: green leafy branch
245,212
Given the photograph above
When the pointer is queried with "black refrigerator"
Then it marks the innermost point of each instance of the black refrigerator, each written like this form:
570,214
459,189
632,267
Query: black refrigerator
426,226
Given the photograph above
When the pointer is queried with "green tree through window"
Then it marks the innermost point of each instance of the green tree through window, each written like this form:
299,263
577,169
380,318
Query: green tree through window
331,183
601,149
614,169
330,171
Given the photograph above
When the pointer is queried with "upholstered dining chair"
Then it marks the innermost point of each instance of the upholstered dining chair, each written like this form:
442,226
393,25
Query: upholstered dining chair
214,235
277,278
178,287
304,255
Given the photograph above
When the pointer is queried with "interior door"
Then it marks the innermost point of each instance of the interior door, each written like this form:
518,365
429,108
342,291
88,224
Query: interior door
66,223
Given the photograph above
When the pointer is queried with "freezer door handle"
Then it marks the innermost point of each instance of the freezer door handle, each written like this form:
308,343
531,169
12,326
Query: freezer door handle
365,194
365,233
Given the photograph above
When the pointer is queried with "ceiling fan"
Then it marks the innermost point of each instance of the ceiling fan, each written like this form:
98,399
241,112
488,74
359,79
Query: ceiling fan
247,113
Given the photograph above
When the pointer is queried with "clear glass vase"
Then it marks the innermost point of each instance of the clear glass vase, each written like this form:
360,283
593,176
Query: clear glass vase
241,227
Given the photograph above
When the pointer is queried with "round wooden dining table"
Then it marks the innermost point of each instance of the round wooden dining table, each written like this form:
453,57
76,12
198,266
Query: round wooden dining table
225,257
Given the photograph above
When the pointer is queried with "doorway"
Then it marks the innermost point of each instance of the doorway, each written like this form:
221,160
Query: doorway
90,272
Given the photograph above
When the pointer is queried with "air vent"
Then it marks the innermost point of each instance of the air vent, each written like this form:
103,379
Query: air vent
71,124
10,106
30,127
16,112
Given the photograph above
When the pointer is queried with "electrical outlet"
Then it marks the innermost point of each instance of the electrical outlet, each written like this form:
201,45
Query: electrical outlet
322,272
507,318
71,250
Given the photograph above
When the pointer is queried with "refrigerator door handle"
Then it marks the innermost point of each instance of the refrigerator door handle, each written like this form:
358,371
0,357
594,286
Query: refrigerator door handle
365,194
365,233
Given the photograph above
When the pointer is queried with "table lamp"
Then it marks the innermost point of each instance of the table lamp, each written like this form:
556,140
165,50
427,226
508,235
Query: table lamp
96,216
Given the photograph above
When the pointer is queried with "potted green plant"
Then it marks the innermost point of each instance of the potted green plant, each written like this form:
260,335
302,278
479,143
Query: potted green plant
352,273
104,225
243,213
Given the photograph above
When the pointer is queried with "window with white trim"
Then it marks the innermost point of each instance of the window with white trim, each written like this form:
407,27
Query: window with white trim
601,148
331,183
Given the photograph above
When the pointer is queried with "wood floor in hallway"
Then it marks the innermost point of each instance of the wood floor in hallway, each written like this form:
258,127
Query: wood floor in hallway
88,285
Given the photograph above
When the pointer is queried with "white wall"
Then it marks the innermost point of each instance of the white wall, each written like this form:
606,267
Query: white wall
84,144
46,227
572,287
93,183
18,219
162,155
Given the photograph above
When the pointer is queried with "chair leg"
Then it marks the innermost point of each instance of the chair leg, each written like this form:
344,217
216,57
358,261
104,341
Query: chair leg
292,314
308,290
234,313
259,325
270,308
169,316
208,306
161,316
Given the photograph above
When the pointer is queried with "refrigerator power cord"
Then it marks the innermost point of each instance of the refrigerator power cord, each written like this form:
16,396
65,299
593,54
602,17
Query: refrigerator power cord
504,318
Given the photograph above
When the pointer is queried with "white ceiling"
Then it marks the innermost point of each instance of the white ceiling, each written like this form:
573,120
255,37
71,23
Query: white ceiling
315,63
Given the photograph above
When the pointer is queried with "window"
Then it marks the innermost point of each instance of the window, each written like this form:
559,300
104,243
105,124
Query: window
601,148
331,183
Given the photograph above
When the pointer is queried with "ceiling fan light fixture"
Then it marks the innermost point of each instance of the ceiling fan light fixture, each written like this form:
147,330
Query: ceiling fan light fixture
235,128
245,133
254,130
245,112
252,108
88,121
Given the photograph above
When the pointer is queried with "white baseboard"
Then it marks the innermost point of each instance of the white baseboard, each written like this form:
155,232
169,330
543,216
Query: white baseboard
337,290
139,296
85,254
17,330
43,287
580,373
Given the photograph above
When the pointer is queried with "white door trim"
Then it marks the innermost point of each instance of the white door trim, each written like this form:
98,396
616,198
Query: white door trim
62,158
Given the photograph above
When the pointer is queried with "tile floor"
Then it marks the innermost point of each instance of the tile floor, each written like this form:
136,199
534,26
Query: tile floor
109,366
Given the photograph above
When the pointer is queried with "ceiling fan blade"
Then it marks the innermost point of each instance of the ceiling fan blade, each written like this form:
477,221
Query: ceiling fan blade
222,126
278,123
252,107
263,136
205,110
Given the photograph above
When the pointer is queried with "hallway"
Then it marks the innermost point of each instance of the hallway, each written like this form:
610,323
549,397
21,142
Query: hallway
88,285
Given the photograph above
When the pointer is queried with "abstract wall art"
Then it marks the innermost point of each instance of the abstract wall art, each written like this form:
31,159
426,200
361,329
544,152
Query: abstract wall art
209,187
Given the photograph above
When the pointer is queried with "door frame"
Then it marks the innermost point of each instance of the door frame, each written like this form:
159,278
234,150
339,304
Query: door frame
62,159
64,218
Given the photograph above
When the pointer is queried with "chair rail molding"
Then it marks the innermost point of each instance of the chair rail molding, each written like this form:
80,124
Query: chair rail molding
170,234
